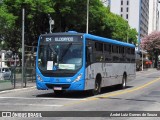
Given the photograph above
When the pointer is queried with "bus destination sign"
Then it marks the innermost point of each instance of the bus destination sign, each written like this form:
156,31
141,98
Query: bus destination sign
64,39
48,39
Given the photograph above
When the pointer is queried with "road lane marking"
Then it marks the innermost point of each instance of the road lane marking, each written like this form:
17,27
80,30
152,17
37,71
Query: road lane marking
127,91
38,98
18,104
106,95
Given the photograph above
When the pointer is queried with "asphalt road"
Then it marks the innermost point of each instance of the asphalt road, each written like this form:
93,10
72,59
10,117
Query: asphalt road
141,94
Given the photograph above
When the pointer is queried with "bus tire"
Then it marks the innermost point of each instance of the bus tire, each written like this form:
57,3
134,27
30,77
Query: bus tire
124,82
97,88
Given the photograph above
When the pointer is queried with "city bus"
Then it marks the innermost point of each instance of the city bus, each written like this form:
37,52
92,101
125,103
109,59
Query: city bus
72,61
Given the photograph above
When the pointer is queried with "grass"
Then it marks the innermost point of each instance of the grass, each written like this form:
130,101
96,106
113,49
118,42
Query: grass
4,81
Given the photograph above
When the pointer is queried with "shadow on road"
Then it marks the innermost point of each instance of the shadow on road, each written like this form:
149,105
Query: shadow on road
79,94
139,100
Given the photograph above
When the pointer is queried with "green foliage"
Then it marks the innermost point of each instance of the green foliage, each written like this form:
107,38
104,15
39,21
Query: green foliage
36,20
117,28
67,14
132,36
7,21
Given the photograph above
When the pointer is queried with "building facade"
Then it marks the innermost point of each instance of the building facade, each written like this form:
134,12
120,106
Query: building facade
153,16
135,12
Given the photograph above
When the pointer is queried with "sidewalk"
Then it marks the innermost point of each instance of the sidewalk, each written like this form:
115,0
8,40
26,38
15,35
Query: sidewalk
7,85
145,70
28,84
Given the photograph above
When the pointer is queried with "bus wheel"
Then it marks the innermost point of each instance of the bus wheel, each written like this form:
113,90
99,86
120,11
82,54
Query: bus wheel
124,80
97,88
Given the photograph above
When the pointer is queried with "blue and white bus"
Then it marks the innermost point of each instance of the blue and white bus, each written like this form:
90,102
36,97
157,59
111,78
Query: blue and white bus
72,61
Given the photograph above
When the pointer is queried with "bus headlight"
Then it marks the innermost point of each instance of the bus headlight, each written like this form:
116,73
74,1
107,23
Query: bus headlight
39,78
78,78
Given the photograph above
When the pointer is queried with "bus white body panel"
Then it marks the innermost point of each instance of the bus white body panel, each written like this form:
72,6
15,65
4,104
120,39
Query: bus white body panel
111,73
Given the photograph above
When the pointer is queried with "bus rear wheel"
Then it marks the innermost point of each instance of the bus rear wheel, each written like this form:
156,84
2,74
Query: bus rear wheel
124,82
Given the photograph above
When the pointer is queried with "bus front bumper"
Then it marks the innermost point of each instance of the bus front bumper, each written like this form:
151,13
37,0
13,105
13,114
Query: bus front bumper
60,86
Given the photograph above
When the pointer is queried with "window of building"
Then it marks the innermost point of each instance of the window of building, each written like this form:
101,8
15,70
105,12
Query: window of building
121,2
126,16
127,2
121,9
127,9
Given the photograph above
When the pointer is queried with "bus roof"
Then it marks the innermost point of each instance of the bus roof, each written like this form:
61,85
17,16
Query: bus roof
62,33
93,37
102,39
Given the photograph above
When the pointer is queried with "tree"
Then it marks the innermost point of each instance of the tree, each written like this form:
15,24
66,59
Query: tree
71,15
7,21
118,28
36,20
67,14
151,43
132,36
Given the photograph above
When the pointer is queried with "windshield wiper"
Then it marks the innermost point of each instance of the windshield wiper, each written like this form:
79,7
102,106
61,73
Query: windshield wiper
55,55
53,50
66,50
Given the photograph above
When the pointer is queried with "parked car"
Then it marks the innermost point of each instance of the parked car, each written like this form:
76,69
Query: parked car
5,73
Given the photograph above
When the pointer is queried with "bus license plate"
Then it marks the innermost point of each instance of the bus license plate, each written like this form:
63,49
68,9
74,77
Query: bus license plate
57,88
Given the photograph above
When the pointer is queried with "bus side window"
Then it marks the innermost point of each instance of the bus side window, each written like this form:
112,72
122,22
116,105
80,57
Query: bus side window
110,48
123,50
98,53
89,51
99,46
89,54
107,48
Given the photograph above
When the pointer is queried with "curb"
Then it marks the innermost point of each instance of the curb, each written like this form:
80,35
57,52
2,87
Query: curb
16,89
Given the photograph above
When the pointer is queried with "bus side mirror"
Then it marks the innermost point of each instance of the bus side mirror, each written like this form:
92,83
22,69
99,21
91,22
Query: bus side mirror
89,54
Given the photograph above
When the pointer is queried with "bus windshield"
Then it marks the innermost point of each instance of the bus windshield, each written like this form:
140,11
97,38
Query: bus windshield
58,56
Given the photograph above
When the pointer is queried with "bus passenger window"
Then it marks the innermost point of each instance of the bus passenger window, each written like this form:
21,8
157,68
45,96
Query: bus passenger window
99,46
89,54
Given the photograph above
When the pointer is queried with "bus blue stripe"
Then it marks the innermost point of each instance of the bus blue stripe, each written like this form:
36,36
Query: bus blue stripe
93,37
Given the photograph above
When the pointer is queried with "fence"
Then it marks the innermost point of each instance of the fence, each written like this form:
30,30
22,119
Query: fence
15,80
15,73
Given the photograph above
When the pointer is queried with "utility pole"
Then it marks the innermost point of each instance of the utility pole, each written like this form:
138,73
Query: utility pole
142,58
87,24
23,14
51,22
